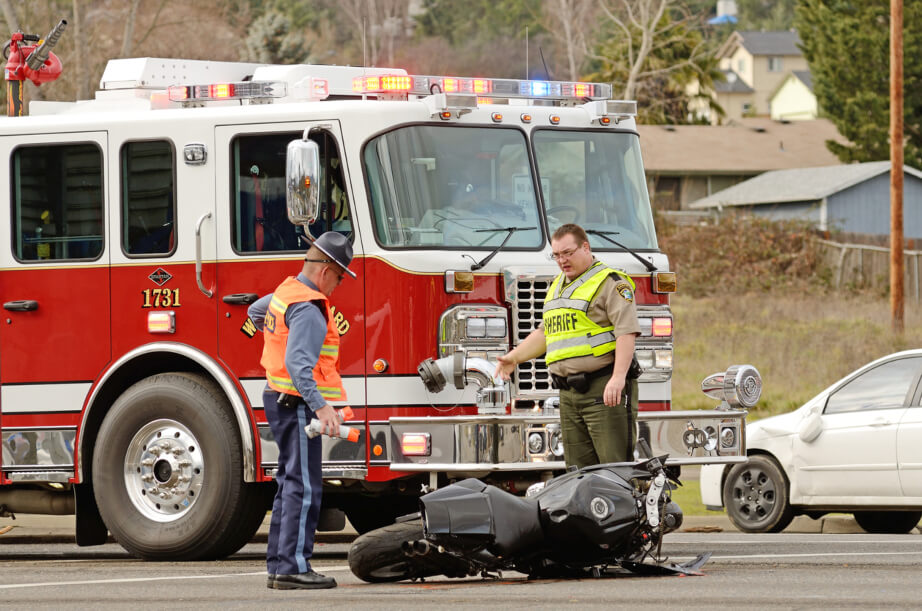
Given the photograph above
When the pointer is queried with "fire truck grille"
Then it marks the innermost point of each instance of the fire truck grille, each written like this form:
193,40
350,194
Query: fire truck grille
533,382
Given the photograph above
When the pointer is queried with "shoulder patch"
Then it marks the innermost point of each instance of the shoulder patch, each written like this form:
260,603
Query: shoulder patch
624,289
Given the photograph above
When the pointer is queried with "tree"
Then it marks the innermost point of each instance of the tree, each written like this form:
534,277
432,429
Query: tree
855,93
656,49
271,40
765,14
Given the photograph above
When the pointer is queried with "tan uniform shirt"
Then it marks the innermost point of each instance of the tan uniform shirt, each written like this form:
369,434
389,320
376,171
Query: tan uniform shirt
608,307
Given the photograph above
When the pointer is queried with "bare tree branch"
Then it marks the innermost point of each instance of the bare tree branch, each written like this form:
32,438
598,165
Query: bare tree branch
9,15
129,28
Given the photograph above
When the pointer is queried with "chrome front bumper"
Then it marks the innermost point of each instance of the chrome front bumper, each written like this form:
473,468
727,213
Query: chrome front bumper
501,443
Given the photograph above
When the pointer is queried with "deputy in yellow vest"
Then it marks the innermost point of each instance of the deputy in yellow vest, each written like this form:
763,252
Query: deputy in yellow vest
587,336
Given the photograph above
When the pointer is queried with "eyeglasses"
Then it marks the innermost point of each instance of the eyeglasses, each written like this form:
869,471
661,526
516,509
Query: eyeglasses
339,273
563,254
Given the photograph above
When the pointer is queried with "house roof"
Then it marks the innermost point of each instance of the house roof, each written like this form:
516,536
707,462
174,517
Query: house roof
732,84
747,146
797,185
780,42
805,76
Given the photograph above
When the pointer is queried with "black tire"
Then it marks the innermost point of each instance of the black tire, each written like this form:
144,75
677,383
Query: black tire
756,496
168,472
377,556
888,522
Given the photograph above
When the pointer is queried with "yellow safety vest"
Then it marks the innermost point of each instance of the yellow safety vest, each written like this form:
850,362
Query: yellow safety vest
568,330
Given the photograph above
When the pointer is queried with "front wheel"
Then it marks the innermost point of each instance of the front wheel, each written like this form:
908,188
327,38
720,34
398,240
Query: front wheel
888,522
756,496
168,472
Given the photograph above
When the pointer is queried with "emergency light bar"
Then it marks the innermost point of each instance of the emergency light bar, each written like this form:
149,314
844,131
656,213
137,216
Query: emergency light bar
501,88
246,90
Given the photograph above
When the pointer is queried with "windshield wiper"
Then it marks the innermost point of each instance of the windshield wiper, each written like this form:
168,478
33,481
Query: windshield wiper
604,235
509,230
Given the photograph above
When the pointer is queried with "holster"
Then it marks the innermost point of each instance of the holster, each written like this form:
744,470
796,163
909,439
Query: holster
287,401
634,371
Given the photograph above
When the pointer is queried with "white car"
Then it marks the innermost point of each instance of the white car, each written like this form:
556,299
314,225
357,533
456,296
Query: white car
856,447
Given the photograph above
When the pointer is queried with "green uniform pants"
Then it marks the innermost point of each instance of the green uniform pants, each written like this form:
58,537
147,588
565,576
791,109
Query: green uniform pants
594,433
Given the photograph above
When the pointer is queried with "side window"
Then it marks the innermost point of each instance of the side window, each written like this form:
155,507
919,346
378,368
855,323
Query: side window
884,387
259,213
148,198
57,202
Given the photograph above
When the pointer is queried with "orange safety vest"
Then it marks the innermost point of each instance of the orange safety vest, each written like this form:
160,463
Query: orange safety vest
275,335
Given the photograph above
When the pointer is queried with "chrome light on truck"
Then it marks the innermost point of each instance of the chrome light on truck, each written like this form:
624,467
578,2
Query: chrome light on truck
479,330
740,386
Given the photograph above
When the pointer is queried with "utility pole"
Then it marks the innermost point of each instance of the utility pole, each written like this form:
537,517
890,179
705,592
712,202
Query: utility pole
896,165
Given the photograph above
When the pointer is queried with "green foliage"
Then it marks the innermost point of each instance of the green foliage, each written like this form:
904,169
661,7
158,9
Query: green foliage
765,14
271,39
479,20
847,44
679,56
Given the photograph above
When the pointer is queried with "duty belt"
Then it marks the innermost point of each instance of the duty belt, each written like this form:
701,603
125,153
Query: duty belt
579,381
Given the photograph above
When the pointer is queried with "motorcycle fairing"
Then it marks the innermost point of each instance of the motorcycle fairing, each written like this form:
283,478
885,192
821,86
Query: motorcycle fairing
502,522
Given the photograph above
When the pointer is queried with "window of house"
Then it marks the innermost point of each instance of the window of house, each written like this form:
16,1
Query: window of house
57,200
741,65
747,108
774,64
148,198
259,210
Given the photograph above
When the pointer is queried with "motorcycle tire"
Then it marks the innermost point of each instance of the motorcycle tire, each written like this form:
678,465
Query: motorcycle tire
377,556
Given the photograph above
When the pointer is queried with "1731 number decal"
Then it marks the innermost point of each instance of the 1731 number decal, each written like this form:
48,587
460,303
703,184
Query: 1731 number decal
160,298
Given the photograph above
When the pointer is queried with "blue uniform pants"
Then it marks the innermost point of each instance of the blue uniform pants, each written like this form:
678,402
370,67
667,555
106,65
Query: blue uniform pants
296,508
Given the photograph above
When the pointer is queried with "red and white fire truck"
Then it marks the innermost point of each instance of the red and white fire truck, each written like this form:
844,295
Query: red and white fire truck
144,221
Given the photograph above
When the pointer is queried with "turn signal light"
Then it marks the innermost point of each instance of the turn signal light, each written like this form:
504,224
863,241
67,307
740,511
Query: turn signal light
161,322
415,444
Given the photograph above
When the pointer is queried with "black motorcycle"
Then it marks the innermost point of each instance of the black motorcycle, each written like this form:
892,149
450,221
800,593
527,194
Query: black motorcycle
600,520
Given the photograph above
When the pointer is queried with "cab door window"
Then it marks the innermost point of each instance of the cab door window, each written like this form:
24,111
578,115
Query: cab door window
57,202
148,198
259,211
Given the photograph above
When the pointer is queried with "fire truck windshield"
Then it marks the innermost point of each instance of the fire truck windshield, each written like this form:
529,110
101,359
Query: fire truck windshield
436,186
596,179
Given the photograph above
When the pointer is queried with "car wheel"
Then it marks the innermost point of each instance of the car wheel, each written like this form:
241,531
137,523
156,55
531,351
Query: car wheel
888,522
756,496
168,472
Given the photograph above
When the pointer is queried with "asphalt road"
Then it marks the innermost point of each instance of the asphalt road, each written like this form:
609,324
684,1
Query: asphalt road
786,570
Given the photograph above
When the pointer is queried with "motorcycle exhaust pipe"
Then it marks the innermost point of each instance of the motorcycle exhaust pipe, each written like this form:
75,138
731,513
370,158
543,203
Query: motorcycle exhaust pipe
416,548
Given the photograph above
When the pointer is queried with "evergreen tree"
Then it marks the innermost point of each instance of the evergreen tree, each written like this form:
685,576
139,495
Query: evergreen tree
847,44
272,40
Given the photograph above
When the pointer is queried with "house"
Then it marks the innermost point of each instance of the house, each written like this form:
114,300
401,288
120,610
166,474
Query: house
794,99
687,162
754,65
853,198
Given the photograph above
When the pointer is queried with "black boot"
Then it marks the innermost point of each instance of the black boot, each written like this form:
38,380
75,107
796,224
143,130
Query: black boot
304,581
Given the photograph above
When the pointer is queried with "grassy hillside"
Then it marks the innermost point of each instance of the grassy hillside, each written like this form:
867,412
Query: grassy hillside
755,292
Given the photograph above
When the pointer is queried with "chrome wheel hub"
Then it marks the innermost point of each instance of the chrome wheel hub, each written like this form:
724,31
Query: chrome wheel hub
164,470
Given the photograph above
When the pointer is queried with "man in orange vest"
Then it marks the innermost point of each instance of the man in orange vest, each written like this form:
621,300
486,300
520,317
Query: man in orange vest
301,358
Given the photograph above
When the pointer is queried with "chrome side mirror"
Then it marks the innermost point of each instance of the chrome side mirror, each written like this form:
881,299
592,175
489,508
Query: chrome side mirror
740,386
302,179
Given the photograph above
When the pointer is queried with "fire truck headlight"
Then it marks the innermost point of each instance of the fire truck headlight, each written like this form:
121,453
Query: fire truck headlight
476,327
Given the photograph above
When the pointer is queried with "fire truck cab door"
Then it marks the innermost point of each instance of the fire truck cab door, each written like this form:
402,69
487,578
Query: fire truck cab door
54,288
258,247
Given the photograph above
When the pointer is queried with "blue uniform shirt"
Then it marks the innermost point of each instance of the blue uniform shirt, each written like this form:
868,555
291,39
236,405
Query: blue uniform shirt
307,328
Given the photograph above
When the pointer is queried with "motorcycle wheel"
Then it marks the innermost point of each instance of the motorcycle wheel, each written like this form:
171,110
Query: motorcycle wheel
888,522
756,496
377,556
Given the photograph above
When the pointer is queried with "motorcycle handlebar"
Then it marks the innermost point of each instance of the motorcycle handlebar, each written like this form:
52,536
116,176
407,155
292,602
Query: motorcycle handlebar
38,57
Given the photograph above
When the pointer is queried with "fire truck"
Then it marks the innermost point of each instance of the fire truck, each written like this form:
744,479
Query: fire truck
143,223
